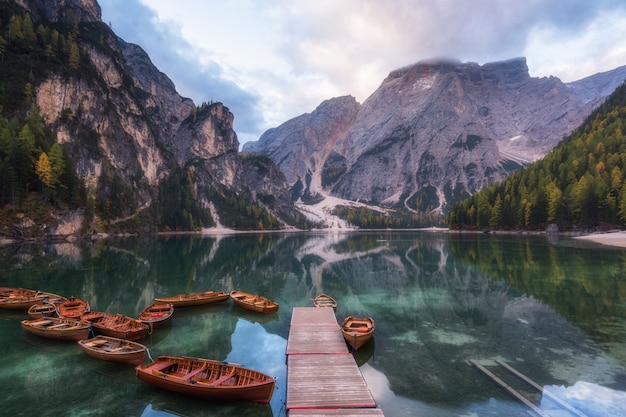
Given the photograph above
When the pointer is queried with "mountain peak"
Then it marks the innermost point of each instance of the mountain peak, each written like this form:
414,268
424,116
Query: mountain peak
508,71
433,133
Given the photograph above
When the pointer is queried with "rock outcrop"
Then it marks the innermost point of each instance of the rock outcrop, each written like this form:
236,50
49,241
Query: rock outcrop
434,132
301,145
127,129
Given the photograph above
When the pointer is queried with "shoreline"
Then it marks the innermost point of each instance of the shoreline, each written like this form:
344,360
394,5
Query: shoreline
617,239
611,238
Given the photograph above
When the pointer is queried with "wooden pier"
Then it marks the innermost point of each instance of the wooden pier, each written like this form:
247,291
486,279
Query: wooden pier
322,377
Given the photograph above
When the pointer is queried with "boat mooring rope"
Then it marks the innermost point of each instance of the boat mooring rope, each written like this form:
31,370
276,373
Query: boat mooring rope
283,403
149,356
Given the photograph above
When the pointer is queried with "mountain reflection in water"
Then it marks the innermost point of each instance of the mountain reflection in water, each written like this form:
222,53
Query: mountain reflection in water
554,310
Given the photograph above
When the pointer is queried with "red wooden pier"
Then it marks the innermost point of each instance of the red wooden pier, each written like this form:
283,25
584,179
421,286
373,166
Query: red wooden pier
322,377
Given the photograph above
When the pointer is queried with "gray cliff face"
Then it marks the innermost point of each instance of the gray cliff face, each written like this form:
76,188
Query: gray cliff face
301,146
437,131
128,123
596,87
443,130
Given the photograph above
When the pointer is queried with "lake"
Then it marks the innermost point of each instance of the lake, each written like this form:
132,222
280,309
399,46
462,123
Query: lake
554,309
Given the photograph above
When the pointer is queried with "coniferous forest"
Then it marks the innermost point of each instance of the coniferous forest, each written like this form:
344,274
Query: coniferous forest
38,180
35,174
579,185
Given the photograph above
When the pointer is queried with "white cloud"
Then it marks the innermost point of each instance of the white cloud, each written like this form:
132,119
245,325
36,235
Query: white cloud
271,61
595,48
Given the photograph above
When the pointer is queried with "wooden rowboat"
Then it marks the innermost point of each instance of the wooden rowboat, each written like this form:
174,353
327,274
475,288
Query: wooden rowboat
116,325
6,291
73,308
156,314
19,298
254,302
113,349
324,300
13,292
57,328
187,300
357,331
208,379
42,310
47,307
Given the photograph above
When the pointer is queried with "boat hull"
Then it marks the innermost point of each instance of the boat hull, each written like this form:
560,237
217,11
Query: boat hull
56,328
47,306
357,331
189,300
116,325
221,387
254,302
157,314
19,298
42,310
114,350
72,308
324,300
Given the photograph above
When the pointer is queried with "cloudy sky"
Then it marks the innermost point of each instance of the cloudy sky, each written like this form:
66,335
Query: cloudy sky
270,61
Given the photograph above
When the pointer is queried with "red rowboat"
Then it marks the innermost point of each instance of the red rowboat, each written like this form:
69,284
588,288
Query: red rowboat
254,302
357,331
116,325
57,328
156,314
208,379
187,300
113,349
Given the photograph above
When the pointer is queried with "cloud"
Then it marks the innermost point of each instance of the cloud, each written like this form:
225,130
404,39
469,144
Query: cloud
271,61
593,49
195,76
349,40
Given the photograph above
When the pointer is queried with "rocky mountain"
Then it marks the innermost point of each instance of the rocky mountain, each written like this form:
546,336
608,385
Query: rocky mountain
432,133
128,131
301,146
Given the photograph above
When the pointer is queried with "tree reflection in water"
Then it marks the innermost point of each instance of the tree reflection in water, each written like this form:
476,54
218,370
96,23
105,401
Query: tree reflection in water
554,310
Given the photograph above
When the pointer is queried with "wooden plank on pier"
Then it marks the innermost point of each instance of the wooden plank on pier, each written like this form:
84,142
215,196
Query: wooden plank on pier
337,412
326,381
313,316
315,339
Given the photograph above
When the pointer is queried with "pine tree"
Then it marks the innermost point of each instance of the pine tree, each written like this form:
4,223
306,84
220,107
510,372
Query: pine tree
57,166
74,55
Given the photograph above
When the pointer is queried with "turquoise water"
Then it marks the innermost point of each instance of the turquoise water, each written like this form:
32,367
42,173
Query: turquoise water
554,310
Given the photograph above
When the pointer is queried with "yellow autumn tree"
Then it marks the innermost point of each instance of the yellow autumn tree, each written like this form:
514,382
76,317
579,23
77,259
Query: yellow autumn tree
44,170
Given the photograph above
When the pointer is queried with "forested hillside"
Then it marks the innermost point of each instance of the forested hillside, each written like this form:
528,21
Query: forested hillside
581,184
95,139
35,174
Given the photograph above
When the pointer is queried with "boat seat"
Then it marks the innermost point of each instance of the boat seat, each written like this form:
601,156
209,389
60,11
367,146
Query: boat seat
161,366
194,373
118,349
96,343
57,326
223,378
118,326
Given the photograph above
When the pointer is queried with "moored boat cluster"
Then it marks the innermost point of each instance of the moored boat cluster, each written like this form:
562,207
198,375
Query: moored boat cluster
357,331
113,337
